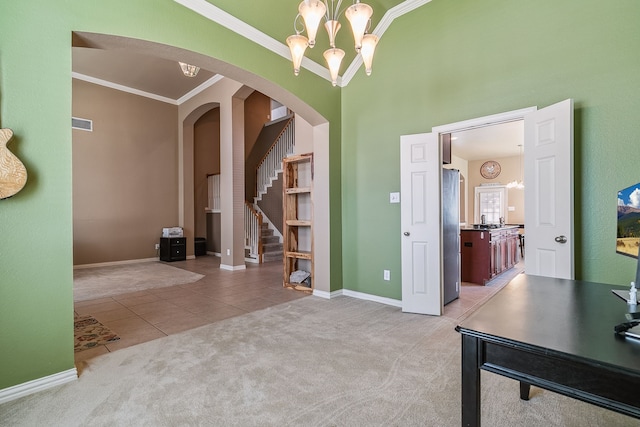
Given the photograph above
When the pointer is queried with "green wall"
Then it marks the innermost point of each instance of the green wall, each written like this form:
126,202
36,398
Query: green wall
36,301
455,60
445,62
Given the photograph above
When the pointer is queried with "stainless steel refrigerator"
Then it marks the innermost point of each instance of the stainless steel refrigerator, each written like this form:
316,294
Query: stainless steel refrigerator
451,234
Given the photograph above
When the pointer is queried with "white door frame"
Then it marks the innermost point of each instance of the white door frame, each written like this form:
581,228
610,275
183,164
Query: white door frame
494,119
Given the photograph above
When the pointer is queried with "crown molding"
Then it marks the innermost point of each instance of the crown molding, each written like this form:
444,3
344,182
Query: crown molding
219,16
213,80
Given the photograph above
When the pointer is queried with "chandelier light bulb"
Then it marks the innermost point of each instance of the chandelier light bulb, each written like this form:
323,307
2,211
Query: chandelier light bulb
369,42
312,11
358,15
334,57
332,28
297,45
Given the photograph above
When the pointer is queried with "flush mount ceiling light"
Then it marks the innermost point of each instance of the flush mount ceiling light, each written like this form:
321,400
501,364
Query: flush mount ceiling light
188,69
312,12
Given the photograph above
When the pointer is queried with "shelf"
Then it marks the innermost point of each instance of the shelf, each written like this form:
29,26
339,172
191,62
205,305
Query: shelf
297,210
297,190
298,287
298,254
298,223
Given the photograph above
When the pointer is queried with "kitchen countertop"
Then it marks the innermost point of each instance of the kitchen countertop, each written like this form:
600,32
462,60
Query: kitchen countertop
505,227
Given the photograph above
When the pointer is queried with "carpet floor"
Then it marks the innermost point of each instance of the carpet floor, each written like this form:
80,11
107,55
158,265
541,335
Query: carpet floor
99,282
310,362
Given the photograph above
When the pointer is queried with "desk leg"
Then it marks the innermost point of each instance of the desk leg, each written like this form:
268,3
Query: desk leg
471,348
524,390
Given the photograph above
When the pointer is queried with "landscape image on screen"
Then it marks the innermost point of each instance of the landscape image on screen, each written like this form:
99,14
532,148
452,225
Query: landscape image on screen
628,238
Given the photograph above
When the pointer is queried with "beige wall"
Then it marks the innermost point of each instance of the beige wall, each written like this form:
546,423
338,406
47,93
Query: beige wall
206,160
257,112
125,174
510,170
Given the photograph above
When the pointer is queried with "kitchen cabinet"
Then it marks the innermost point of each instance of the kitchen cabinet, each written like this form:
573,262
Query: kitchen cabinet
485,253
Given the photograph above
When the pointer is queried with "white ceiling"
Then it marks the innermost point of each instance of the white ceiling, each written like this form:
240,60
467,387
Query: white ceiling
489,142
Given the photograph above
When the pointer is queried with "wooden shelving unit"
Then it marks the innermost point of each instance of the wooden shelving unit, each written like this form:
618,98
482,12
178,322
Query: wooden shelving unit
297,209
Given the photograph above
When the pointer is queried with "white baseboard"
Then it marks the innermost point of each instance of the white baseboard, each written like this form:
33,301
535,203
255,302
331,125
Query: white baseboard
369,297
323,294
107,264
358,295
34,386
232,268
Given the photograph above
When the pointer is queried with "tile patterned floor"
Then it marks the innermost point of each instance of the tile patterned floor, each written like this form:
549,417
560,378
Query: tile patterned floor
143,316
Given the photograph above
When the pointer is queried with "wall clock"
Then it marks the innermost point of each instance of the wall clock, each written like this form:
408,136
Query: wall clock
490,169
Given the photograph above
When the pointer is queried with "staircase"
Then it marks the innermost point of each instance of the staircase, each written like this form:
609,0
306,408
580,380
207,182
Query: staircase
262,243
271,245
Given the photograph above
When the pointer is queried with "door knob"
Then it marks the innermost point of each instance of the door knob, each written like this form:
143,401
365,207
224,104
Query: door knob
561,239
406,233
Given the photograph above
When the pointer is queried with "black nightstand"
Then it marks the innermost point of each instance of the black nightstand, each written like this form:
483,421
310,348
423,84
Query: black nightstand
173,249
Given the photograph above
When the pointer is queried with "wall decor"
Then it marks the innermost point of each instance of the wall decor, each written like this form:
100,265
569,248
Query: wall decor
490,169
628,234
13,174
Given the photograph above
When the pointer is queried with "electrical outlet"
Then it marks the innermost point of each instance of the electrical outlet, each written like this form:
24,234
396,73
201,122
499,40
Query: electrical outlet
228,251
157,246
386,275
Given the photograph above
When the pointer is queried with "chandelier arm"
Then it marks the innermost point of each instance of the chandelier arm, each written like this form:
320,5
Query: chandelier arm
296,21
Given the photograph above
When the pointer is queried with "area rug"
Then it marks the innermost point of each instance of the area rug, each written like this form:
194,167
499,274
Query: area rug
89,333
100,282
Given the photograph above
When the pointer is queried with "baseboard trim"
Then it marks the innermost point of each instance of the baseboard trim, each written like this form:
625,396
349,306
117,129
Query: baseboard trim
357,295
374,298
233,267
34,386
322,294
107,264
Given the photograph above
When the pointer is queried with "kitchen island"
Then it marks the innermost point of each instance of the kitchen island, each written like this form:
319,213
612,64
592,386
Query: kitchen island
486,251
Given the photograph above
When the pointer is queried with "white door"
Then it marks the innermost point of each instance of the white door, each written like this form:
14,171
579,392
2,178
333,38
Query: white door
420,205
548,177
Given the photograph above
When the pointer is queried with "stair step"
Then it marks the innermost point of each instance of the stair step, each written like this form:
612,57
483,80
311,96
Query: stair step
266,232
271,247
272,256
270,239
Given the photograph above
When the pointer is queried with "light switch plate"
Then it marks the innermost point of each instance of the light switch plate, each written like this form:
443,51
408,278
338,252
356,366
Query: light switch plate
394,197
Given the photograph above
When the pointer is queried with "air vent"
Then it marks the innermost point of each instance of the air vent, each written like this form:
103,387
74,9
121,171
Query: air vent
82,124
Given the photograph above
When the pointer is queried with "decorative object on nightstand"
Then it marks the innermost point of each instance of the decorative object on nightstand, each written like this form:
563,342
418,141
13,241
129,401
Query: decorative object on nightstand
13,174
490,169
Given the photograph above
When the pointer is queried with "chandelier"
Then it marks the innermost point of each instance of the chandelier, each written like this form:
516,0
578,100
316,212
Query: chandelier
515,183
188,69
312,12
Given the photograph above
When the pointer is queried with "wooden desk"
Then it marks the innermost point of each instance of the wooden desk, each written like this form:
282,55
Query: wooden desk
555,334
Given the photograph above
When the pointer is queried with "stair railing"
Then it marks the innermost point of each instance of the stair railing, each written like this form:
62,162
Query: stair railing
213,192
253,231
271,164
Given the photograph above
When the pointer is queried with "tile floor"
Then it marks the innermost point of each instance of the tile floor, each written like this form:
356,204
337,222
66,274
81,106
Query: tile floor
473,295
146,315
